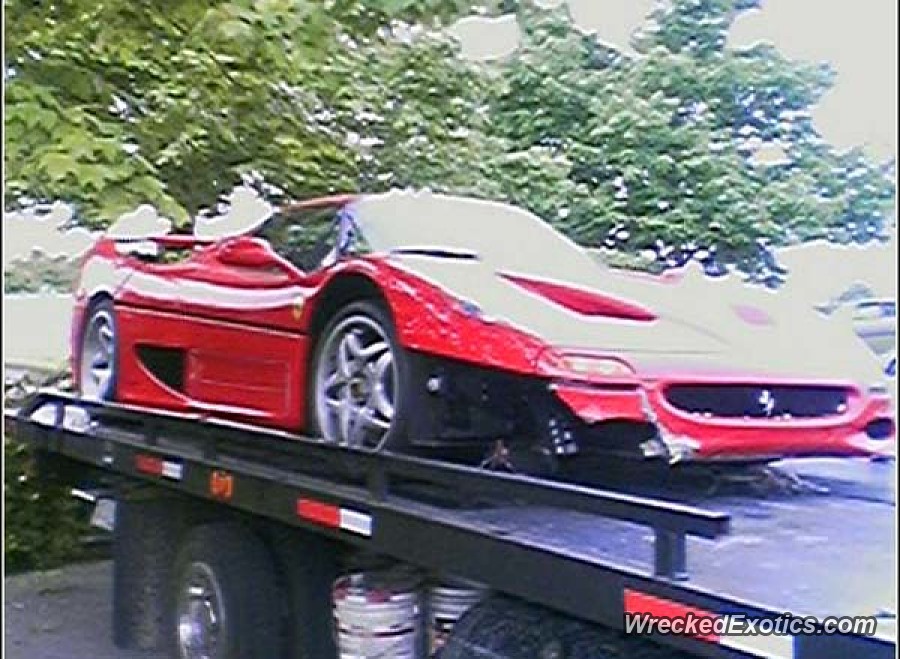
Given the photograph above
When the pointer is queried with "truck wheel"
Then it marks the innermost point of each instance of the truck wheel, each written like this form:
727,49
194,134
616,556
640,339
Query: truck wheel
226,596
307,567
511,629
143,554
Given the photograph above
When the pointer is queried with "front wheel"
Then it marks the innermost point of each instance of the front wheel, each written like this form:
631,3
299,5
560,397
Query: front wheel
360,383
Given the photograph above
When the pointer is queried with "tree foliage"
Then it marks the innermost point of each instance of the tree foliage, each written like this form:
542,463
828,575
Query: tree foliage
114,104
660,145
41,526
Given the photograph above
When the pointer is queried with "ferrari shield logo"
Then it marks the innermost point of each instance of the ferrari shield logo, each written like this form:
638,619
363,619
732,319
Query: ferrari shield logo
297,308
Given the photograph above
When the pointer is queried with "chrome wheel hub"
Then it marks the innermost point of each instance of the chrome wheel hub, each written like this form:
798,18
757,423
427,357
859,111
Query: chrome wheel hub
200,615
355,385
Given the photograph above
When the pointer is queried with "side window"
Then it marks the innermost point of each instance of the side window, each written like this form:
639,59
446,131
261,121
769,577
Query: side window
349,238
314,238
301,238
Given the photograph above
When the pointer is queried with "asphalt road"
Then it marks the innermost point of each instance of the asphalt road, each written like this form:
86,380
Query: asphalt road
62,614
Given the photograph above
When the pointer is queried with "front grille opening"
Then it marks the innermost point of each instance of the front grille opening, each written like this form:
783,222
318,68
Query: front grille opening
880,429
758,401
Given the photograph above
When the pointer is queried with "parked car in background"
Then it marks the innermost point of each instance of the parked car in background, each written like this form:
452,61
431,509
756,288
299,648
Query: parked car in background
872,318
890,372
875,322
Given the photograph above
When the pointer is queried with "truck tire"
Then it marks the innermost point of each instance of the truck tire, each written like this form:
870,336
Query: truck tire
306,567
226,599
144,539
502,627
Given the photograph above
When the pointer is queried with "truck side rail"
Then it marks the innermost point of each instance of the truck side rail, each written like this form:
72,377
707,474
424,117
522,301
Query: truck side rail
213,438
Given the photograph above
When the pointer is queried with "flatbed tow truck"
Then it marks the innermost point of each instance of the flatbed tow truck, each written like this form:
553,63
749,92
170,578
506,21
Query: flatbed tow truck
276,517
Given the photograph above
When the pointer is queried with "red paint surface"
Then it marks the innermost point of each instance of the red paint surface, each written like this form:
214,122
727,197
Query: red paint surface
595,404
430,320
583,302
180,240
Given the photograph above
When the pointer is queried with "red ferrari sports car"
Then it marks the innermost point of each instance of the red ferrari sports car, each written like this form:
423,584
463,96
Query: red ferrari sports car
417,318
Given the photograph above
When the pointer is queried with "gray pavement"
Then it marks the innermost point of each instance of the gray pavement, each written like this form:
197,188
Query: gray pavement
62,614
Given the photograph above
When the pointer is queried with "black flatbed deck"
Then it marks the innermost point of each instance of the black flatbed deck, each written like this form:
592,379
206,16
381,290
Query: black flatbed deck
810,553
820,554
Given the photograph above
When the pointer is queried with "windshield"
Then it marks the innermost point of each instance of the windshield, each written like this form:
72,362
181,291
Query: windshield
502,236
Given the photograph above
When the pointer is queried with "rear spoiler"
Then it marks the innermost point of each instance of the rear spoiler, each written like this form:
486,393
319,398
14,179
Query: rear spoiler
181,240
174,240
151,246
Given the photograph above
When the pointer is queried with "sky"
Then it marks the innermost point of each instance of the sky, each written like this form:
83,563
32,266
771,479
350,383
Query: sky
24,232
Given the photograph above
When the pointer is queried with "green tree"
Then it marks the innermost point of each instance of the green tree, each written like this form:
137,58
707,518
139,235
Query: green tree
119,103
660,145
114,104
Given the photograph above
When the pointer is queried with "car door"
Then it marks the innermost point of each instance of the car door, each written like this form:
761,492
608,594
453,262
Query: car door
246,345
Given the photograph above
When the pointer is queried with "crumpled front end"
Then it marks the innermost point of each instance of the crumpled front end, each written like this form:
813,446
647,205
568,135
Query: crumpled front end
704,419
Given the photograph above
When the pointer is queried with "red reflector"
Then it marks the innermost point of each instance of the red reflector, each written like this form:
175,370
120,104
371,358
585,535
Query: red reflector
637,602
318,512
148,464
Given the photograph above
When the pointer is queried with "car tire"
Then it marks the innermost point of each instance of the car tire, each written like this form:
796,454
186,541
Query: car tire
227,602
369,404
99,353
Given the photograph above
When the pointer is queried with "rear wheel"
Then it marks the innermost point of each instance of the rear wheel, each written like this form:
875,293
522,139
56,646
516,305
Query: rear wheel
98,374
226,596
360,388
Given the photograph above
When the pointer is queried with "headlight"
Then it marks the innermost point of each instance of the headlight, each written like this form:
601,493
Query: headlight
606,367
584,366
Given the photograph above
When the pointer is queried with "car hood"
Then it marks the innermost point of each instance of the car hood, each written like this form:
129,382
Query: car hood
701,326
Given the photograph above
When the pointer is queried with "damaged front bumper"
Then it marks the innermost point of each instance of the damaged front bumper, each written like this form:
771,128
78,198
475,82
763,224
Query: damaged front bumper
865,429
671,449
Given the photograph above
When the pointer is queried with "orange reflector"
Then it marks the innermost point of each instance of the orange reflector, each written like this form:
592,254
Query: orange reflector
221,484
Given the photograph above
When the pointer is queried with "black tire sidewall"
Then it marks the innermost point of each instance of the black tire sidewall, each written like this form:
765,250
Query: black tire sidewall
244,571
397,435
